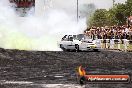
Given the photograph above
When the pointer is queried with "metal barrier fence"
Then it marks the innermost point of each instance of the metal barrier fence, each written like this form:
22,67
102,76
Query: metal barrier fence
115,44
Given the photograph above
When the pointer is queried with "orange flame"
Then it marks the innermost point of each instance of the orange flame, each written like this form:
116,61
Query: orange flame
81,71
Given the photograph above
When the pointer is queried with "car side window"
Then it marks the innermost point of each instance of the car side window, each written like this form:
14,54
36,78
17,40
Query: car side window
70,38
65,38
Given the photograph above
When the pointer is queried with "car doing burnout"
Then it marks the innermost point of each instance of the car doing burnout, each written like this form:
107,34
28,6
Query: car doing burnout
78,42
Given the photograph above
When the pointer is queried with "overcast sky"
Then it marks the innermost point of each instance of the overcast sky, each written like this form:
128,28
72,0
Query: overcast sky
72,3
105,3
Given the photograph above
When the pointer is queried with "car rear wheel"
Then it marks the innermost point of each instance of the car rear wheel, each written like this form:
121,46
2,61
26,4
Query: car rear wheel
62,47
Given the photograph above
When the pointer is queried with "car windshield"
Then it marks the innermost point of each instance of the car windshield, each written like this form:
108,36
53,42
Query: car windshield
82,37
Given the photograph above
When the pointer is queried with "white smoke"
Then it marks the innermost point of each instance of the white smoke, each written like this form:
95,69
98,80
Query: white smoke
36,32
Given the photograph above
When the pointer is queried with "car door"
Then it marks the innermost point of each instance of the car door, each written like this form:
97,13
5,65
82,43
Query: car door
64,41
67,43
71,42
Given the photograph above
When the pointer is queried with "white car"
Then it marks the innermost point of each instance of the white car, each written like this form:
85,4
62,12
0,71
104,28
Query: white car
77,42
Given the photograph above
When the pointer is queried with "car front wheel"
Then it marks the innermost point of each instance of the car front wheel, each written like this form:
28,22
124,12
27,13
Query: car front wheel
96,50
77,47
62,47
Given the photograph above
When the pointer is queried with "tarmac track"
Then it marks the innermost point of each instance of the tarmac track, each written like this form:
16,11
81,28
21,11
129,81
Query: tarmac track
37,69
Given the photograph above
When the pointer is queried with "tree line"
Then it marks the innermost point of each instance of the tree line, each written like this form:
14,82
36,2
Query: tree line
117,15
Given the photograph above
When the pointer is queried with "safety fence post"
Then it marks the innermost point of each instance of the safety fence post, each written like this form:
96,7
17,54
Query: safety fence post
112,43
119,44
107,43
125,44
102,43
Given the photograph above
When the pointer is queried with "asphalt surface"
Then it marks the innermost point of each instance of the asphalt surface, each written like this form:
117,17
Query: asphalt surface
37,69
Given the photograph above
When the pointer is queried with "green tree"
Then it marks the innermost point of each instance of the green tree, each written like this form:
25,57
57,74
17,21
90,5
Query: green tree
117,15
99,18
111,17
128,7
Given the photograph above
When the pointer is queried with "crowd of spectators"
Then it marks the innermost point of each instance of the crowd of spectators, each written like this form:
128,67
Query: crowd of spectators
112,32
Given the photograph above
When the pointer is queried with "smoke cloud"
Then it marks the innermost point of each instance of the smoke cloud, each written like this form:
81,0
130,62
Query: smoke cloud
36,32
